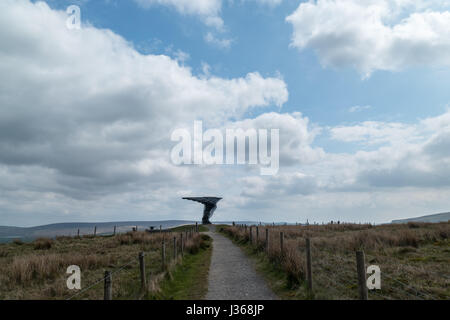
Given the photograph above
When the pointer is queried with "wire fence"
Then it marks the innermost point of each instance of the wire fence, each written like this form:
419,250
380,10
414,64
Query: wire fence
172,247
102,280
334,272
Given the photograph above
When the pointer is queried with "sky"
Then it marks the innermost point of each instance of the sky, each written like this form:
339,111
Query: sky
357,88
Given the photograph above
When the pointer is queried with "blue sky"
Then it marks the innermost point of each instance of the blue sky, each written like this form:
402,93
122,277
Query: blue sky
261,40
358,89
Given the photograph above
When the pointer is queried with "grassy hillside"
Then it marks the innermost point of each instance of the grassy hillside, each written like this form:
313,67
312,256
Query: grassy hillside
440,217
413,259
37,270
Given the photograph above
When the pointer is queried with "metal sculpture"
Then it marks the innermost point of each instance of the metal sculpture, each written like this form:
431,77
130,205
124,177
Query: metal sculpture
210,204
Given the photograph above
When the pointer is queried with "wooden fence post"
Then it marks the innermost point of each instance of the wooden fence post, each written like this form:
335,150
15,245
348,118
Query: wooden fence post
108,286
163,254
182,244
267,240
114,230
281,242
309,264
251,235
142,269
78,234
257,235
174,248
361,269
196,227
95,231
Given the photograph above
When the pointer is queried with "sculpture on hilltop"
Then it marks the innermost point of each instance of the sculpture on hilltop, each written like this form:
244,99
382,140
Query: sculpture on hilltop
210,204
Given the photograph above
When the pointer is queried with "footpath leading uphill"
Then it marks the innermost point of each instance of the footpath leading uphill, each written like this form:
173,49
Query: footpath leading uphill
231,274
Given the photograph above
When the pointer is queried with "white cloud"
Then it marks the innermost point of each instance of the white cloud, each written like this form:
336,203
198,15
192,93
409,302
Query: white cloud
294,183
88,116
372,132
221,43
358,108
437,123
296,136
85,124
371,35
208,10
411,166
410,155
271,3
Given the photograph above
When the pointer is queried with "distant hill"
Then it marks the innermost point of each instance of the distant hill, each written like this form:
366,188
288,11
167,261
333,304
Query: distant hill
86,228
71,229
441,217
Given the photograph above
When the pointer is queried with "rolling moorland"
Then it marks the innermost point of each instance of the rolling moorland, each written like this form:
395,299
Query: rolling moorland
440,217
413,259
9,233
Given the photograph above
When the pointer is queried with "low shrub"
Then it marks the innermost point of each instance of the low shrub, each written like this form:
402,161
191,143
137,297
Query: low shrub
43,244
18,242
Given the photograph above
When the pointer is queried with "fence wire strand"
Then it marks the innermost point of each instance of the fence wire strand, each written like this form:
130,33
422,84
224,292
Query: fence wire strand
114,272
101,280
412,288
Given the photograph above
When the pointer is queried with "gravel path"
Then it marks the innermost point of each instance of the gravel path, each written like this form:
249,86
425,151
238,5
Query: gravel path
231,274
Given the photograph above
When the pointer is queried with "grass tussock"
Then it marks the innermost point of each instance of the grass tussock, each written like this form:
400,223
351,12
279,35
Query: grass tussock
38,267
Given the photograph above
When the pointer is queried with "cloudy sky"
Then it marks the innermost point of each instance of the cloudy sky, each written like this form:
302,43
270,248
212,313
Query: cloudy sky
359,90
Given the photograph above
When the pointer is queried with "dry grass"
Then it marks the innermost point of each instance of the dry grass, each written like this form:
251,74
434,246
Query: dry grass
37,270
24,269
413,258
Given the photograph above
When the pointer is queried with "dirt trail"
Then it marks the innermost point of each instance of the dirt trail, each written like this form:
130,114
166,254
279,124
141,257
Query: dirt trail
232,275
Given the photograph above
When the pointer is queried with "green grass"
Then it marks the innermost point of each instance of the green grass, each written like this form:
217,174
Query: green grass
188,280
201,228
